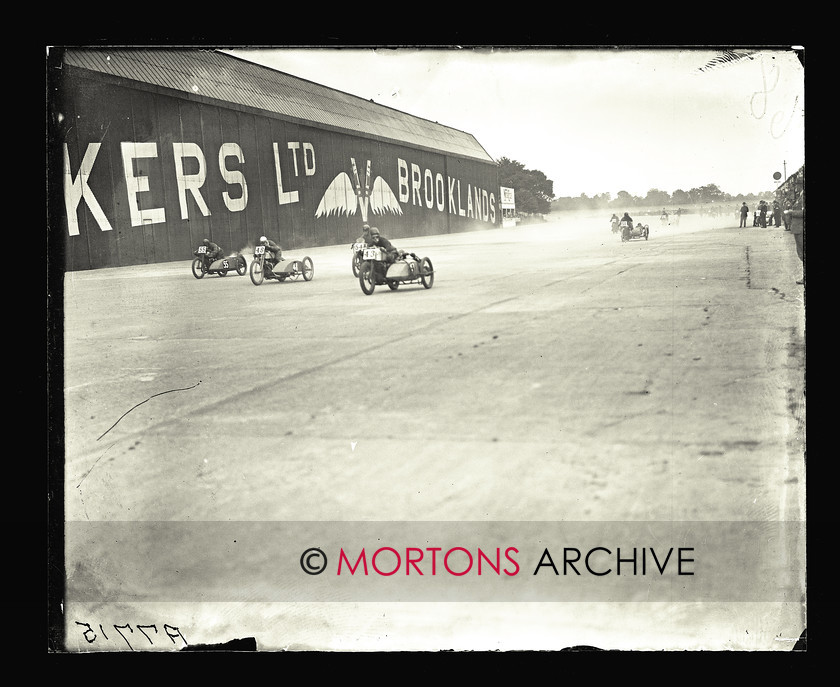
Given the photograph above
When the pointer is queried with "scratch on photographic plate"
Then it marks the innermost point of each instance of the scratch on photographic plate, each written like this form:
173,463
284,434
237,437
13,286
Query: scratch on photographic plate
142,402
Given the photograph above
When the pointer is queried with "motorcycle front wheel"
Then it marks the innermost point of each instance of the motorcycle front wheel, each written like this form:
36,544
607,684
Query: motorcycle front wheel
198,268
367,278
257,275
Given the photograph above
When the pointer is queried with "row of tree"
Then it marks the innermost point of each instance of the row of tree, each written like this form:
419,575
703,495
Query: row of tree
709,194
535,194
532,190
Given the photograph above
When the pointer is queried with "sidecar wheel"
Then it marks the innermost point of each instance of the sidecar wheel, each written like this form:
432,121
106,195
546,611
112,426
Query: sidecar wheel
241,266
427,273
257,274
308,269
367,279
198,268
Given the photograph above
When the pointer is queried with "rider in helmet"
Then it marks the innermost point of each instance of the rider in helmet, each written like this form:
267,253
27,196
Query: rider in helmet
626,226
213,251
376,239
272,248
365,234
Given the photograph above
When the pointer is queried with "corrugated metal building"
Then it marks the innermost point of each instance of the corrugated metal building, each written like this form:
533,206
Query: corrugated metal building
159,148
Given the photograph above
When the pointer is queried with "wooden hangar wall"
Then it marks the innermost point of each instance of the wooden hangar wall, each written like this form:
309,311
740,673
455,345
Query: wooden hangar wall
147,175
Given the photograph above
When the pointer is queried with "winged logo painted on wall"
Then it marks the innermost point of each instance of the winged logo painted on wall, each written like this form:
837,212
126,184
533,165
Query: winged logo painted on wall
344,197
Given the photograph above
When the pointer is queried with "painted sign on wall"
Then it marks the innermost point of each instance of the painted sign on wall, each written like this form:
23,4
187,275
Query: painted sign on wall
146,176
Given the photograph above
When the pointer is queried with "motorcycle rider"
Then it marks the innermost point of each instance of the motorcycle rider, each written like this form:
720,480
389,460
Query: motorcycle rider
357,253
213,251
272,248
626,225
365,234
376,239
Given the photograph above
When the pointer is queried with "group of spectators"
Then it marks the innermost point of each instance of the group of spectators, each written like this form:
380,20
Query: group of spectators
793,218
765,215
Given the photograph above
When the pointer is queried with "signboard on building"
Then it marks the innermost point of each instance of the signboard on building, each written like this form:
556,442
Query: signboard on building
507,202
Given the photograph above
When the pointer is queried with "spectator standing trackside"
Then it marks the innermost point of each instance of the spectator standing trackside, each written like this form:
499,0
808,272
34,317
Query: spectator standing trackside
777,213
795,218
744,212
786,216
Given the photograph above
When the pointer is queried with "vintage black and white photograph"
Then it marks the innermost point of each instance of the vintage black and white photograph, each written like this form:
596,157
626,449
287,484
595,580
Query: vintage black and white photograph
430,348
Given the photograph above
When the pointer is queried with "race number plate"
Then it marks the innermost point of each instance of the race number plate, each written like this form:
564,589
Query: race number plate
358,246
373,254
202,249
259,250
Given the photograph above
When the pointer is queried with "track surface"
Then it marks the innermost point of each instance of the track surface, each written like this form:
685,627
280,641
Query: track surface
551,374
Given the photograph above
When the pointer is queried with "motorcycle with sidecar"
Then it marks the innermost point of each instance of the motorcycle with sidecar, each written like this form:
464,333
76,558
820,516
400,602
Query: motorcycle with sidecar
639,232
203,264
375,270
266,267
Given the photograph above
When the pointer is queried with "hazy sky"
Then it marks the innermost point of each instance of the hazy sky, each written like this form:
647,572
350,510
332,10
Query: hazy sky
593,120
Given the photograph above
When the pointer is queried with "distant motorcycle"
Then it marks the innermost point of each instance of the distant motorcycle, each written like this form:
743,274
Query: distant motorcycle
639,232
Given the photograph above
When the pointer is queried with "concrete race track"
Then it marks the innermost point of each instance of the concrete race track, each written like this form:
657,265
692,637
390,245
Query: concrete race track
552,374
